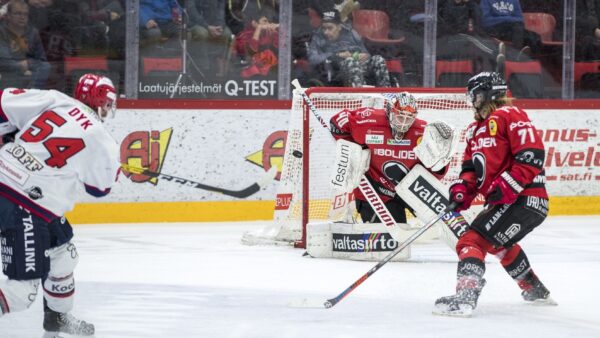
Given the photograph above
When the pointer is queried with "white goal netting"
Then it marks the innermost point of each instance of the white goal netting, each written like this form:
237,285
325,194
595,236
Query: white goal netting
304,194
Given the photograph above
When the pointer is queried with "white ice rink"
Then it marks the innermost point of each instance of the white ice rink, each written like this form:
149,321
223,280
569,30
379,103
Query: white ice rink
198,280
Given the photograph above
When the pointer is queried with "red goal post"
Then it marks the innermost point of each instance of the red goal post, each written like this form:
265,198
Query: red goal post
304,194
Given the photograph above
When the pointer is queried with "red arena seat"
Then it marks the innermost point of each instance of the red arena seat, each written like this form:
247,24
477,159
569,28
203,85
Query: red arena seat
453,73
152,65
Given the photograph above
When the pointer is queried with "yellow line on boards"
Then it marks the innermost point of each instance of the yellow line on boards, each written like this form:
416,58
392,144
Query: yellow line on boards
147,212
574,205
232,211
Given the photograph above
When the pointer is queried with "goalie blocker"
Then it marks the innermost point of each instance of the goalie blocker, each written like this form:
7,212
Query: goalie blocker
421,190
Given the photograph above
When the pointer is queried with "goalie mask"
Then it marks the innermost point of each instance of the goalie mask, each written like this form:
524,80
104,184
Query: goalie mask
401,112
98,93
484,88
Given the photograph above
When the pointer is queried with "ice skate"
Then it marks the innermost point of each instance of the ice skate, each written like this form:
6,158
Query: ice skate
534,292
57,324
464,301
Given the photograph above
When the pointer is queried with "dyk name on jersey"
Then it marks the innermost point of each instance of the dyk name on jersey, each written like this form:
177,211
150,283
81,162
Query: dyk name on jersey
391,159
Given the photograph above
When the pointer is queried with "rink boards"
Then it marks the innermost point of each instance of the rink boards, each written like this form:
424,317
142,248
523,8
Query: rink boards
231,145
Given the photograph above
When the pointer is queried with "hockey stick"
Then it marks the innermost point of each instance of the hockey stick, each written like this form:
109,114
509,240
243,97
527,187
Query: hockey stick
243,193
365,186
305,303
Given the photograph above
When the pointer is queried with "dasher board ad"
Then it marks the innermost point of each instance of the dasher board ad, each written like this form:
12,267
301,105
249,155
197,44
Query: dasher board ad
232,149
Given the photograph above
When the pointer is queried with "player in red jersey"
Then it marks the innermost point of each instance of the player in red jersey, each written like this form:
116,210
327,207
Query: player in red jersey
503,160
389,136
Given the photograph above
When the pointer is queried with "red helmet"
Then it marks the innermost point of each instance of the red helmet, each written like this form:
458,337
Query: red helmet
98,92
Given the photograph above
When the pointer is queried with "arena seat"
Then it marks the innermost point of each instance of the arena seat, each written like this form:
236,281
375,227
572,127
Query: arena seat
583,68
87,63
543,24
161,66
453,73
587,79
524,78
76,66
374,26
314,18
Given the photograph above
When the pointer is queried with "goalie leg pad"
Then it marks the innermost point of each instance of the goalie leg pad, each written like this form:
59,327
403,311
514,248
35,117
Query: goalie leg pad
59,286
17,295
351,162
354,241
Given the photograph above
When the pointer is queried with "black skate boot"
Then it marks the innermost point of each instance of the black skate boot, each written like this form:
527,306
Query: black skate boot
56,323
469,283
534,291
464,301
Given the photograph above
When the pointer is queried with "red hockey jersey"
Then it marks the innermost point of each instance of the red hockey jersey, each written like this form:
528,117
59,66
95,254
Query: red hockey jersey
505,141
391,159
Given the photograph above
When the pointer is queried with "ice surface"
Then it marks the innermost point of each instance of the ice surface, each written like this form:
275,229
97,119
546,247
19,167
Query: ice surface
198,280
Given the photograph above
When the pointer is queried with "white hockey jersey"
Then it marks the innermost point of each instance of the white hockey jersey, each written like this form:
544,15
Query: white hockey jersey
60,149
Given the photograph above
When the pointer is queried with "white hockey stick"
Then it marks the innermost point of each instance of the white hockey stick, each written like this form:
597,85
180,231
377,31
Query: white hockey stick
329,303
365,186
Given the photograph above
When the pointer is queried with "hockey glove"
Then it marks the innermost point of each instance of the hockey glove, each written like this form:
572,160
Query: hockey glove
459,193
10,137
504,190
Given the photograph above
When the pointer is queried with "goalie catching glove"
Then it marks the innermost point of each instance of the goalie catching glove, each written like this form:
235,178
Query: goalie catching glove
351,162
437,145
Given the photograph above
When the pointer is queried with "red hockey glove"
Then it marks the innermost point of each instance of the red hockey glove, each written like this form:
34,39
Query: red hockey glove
504,190
459,193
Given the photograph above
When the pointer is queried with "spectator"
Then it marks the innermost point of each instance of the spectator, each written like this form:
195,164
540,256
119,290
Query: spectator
460,36
503,19
236,17
210,36
160,21
587,30
257,45
345,7
104,24
22,58
38,16
339,52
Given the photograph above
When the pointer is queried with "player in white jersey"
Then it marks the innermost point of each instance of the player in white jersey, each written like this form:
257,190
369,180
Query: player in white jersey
60,148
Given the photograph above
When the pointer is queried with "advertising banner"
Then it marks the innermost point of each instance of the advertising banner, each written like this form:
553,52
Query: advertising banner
232,149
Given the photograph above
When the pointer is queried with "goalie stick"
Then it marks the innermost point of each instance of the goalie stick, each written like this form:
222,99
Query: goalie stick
306,303
243,193
365,186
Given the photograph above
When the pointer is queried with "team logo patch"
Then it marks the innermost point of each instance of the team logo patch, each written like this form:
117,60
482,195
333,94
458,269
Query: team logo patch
373,139
493,127
394,142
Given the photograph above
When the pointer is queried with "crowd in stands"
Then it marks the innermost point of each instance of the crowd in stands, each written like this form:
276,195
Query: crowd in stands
240,38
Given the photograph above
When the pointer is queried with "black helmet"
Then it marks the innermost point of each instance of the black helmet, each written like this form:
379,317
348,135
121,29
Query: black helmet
491,84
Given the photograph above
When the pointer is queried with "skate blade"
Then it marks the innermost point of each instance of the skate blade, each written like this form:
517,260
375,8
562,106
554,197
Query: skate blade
50,334
462,313
306,303
543,302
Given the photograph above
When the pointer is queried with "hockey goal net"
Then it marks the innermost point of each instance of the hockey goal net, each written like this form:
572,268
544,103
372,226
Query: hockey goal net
304,194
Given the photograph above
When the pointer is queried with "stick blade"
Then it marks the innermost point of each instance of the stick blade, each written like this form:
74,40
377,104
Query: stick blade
306,303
